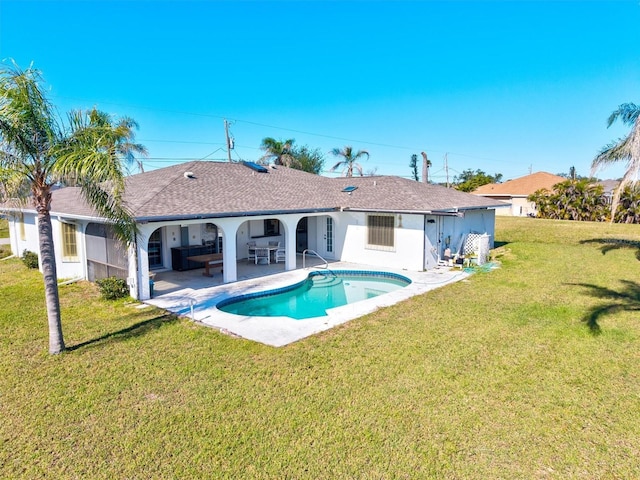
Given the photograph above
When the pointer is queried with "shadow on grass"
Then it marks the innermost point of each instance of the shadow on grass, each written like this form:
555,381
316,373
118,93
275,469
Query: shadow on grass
135,330
498,244
609,244
626,299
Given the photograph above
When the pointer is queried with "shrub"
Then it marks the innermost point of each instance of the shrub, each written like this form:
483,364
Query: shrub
30,259
112,288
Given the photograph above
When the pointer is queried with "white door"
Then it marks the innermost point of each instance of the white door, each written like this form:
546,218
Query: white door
431,235
326,243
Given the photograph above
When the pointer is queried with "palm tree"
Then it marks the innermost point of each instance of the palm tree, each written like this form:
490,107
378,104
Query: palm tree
625,149
349,160
37,151
278,150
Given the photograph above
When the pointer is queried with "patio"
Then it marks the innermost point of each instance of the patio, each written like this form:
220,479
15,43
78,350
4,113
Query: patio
168,281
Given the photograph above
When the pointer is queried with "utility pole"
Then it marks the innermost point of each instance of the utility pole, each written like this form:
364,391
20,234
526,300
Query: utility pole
425,167
229,141
446,167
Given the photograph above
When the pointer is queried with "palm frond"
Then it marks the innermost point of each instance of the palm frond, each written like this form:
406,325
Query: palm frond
628,113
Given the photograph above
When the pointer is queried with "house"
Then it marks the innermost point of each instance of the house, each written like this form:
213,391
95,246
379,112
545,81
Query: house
516,192
201,206
609,189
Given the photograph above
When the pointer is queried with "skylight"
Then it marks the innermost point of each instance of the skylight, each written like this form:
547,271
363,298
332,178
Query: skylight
255,167
349,189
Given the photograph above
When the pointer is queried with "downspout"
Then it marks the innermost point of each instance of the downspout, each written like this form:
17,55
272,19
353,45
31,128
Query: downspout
136,278
424,241
83,237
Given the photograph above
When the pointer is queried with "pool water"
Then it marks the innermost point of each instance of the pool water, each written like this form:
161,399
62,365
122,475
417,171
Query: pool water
314,295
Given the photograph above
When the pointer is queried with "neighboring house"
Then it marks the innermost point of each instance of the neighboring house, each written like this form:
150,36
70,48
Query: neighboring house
516,192
609,188
378,221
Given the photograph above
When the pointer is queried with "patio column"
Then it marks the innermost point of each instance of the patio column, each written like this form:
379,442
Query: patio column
132,275
229,228
290,223
143,262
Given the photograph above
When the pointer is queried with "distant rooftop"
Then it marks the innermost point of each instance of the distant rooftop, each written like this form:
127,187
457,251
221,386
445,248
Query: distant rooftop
522,186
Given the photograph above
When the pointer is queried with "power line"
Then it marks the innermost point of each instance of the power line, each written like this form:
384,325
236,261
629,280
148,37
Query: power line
303,132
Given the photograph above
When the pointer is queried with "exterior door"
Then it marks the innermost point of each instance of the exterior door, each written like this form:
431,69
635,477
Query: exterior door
327,240
154,249
431,235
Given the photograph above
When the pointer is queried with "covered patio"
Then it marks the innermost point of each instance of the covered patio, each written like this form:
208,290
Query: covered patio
168,281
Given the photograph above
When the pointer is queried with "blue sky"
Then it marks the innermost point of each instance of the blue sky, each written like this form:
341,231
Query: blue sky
503,86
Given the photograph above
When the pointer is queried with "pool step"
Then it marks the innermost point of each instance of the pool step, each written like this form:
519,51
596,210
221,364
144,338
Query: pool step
322,281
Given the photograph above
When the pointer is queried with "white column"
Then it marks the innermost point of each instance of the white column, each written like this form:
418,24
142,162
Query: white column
143,264
290,224
132,276
229,228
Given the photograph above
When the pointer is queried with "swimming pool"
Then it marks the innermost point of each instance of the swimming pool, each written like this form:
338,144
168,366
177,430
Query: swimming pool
315,294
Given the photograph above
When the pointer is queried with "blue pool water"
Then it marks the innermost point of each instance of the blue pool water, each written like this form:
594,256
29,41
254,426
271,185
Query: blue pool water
314,295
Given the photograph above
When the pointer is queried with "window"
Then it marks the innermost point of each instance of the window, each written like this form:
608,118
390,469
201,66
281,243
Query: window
271,227
69,243
380,232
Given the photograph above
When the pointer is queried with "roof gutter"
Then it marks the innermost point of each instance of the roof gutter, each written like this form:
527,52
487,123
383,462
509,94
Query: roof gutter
444,212
205,216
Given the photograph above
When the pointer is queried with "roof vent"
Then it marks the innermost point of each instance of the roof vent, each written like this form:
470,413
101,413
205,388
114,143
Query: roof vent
255,167
189,175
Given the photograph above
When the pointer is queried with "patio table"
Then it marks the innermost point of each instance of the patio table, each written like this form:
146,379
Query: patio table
271,248
209,260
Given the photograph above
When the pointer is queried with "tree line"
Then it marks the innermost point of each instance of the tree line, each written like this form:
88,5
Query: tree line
584,200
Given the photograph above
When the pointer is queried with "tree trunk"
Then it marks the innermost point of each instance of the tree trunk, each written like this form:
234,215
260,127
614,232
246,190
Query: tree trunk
52,298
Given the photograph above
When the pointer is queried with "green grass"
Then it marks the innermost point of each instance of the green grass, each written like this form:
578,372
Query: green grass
515,373
4,228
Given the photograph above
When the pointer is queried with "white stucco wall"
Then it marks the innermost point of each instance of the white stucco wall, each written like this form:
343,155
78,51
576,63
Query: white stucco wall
65,268
519,207
70,268
454,229
408,249
30,242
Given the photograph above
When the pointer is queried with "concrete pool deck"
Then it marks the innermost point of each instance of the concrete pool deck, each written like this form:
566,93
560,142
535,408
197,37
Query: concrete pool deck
199,304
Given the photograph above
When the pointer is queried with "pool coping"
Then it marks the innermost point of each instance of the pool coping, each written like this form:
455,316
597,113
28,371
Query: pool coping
280,331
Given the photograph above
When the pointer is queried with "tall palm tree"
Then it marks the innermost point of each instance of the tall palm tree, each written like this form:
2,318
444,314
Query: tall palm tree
349,160
281,152
37,151
625,149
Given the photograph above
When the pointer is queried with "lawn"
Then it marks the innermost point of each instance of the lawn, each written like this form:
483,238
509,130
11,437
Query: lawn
4,228
5,250
529,371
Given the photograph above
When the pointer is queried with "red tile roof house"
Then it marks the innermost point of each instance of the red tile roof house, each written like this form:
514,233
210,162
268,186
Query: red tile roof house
380,221
516,192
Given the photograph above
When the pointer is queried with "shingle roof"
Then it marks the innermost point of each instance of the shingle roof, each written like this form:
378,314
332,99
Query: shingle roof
390,193
229,189
522,186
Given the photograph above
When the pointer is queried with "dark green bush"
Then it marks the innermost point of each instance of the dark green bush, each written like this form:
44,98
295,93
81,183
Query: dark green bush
30,259
112,288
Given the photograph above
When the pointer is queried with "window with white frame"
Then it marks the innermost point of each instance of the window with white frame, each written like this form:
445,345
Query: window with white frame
380,232
69,243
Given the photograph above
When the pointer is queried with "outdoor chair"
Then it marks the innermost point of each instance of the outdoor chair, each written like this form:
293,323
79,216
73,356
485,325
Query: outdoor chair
261,253
251,248
280,255
273,243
